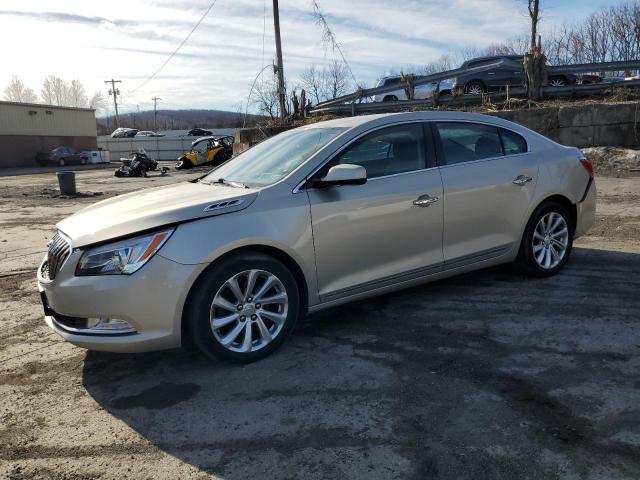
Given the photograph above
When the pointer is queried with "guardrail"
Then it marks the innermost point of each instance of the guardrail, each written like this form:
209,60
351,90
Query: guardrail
340,105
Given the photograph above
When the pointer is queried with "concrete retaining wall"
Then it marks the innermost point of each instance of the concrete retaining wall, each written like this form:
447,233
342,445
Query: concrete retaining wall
247,137
595,125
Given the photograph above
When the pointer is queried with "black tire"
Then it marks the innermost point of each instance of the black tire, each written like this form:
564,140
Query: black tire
390,98
220,158
558,81
83,161
62,162
526,262
197,312
469,88
183,164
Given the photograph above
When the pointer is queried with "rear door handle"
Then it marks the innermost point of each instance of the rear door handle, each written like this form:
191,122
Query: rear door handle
522,180
425,200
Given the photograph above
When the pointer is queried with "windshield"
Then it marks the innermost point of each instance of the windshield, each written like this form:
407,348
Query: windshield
272,160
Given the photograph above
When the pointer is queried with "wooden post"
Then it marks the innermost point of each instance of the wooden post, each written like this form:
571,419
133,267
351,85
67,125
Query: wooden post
279,67
409,80
535,71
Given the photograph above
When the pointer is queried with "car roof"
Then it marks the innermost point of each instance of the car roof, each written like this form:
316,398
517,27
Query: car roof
379,119
492,57
212,137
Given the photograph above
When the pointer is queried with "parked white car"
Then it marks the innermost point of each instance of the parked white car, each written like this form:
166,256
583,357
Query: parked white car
149,133
421,91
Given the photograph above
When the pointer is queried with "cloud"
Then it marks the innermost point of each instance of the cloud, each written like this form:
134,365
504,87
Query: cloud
130,39
57,17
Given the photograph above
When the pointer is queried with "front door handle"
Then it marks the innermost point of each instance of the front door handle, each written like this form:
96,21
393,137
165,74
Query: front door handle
425,200
522,180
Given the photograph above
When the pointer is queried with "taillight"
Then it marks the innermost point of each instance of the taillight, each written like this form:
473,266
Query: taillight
588,166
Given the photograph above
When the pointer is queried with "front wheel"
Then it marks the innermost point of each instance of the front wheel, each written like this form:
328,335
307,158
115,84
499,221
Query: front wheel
243,308
182,164
547,241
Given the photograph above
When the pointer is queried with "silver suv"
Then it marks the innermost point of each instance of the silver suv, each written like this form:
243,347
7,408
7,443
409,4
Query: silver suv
310,219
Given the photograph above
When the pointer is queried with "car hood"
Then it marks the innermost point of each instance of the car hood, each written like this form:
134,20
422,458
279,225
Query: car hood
152,208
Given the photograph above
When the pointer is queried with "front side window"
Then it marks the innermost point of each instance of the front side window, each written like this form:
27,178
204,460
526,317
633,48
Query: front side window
465,142
513,143
388,151
275,158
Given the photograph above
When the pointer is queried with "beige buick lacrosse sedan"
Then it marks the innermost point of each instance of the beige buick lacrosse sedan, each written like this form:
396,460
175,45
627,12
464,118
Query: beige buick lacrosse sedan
310,219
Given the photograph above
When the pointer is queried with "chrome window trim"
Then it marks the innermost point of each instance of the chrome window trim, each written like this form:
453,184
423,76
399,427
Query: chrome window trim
488,159
298,187
486,124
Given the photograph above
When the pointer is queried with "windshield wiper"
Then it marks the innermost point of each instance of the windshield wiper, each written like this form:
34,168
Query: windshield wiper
222,181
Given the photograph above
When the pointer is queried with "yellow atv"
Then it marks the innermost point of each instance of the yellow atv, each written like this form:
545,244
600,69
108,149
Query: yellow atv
207,151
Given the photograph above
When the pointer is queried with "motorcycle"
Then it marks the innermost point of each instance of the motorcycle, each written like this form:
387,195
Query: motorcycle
138,166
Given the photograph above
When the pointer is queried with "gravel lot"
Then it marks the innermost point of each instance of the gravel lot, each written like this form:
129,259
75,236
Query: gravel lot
486,375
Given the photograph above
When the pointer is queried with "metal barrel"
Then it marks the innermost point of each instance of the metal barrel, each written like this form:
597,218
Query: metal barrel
67,183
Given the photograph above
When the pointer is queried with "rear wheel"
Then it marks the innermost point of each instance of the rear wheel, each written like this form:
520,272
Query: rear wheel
547,241
244,308
220,158
557,81
474,87
390,98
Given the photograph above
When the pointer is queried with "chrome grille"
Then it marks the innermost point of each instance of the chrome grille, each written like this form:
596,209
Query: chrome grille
59,249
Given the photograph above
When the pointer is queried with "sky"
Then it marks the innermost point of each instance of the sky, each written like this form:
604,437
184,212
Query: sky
128,40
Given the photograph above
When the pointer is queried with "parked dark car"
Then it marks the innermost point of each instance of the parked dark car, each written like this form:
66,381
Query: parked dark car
62,156
510,73
124,132
199,132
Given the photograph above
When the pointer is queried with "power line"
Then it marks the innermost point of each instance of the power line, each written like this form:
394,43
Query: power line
177,49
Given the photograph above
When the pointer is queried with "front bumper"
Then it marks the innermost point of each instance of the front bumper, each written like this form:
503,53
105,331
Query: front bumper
150,300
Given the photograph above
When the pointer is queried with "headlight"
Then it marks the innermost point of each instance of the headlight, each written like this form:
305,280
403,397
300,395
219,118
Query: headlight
125,257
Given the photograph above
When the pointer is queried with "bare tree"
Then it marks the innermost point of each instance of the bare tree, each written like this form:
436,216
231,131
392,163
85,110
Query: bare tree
77,96
17,91
55,91
97,101
266,98
337,76
313,81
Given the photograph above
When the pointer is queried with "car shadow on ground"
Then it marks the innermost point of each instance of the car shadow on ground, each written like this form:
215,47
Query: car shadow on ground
484,375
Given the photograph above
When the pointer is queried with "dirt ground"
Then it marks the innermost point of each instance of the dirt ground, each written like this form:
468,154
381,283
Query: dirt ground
486,375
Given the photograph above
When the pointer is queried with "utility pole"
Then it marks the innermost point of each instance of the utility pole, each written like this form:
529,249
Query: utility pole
278,67
155,113
115,92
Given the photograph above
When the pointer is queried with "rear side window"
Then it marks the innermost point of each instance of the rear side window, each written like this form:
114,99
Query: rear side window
465,142
512,142
388,151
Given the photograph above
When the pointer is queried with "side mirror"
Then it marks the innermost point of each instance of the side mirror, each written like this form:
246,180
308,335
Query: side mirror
345,174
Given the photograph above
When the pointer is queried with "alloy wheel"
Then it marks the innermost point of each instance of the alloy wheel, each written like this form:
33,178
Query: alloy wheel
249,311
475,90
550,240
557,82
